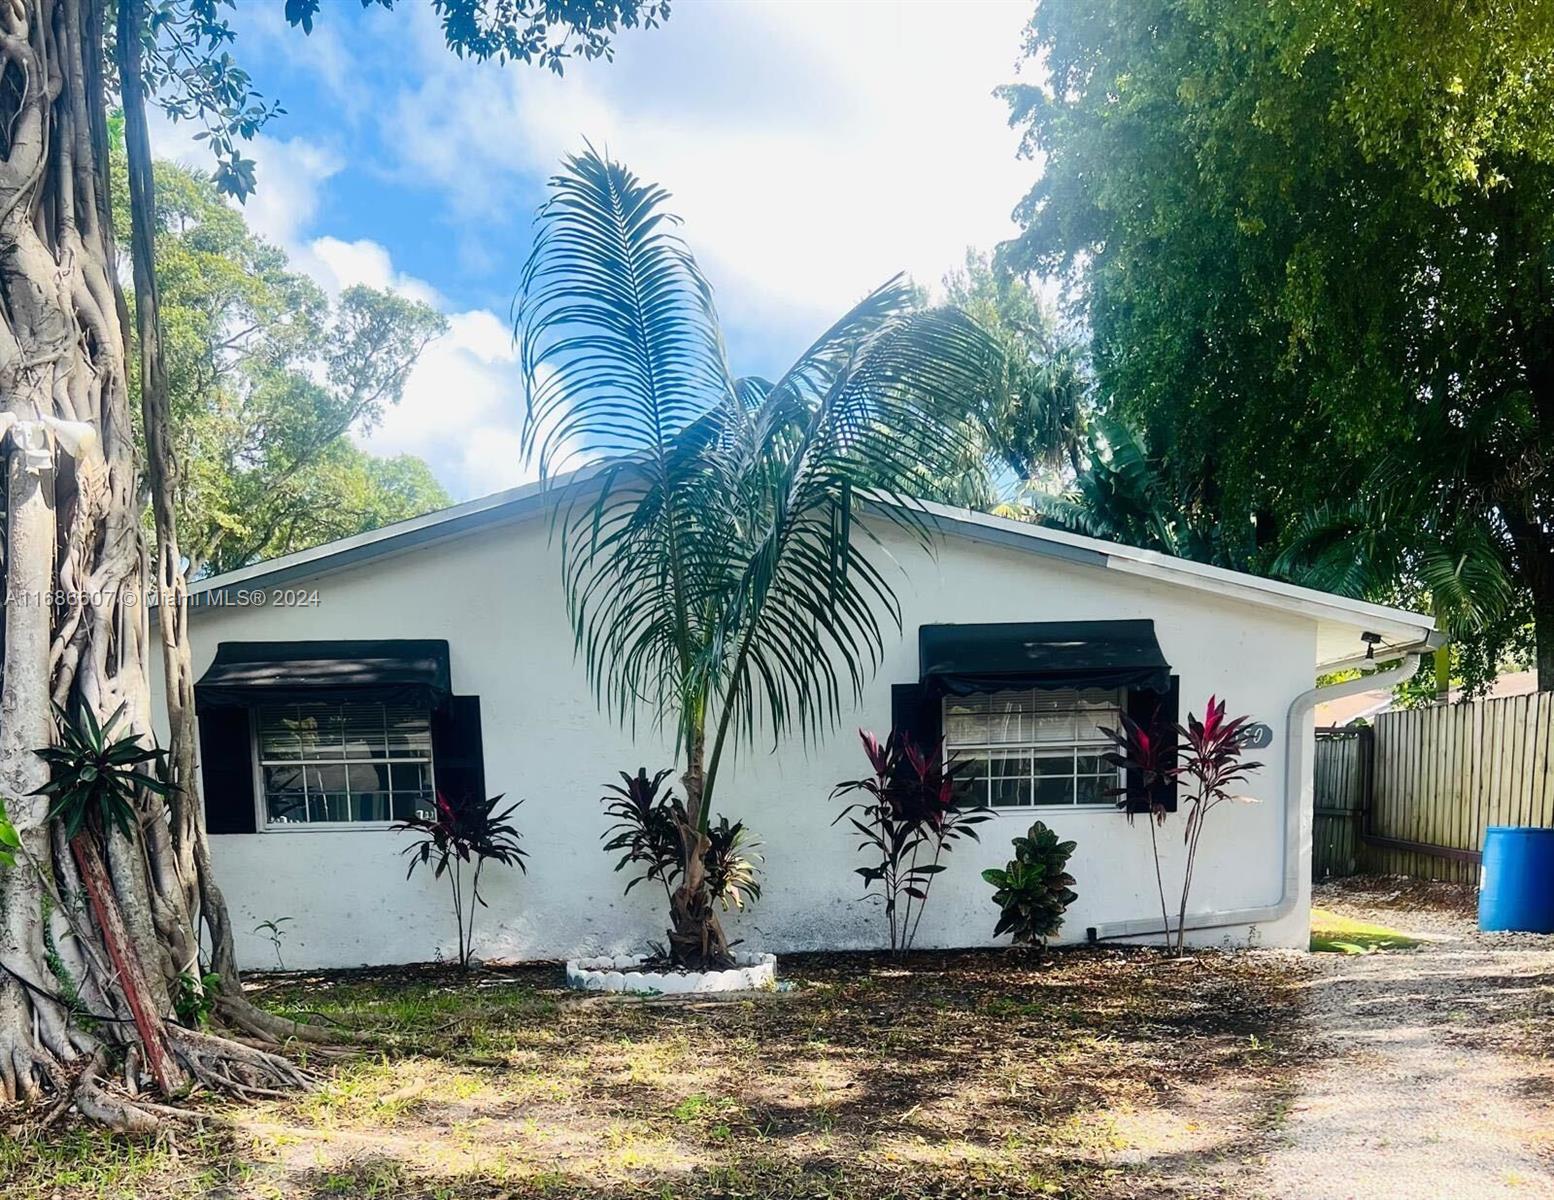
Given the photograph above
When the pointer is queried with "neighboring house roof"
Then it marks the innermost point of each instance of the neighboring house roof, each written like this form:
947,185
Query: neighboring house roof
1512,683
1340,620
1370,705
1362,706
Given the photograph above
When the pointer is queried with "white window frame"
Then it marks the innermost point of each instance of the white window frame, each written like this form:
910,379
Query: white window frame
1031,749
262,803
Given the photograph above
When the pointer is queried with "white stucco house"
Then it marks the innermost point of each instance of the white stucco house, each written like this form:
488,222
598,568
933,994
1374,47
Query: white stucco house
339,686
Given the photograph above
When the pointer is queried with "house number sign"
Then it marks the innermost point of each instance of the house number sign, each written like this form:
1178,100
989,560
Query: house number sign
1257,736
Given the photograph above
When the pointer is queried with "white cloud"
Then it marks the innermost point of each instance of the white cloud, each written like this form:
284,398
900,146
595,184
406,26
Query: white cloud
832,145
462,409
292,173
485,336
291,176
814,150
338,265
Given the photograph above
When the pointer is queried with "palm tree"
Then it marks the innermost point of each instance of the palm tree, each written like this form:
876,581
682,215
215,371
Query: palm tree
716,577
1412,537
1121,494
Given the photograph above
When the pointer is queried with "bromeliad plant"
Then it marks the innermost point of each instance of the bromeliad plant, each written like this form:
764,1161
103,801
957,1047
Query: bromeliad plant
1034,889
717,578
464,833
94,779
909,818
1209,758
94,776
648,819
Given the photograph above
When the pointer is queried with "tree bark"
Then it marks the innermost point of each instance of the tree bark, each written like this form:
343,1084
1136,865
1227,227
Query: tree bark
75,628
1535,557
1543,631
34,1040
696,937
126,965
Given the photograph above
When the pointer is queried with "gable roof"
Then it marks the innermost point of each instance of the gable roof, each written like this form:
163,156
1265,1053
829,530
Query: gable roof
1340,620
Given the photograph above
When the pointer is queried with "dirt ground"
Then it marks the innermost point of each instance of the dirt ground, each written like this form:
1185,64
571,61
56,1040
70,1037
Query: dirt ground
1089,1074
1437,1063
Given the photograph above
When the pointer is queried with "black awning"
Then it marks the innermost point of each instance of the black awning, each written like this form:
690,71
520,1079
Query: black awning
960,659
395,671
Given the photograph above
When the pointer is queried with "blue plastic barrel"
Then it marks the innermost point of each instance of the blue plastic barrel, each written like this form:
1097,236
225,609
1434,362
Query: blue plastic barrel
1517,892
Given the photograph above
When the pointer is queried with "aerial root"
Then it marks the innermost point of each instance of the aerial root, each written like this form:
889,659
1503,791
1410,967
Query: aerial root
273,1029
102,1107
235,1068
113,1099
24,1072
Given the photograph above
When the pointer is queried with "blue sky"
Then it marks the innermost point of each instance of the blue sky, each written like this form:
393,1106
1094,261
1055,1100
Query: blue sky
813,148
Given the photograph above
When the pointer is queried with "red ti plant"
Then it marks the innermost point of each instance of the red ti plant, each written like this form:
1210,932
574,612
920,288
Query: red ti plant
1210,758
1147,756
909,816
464,832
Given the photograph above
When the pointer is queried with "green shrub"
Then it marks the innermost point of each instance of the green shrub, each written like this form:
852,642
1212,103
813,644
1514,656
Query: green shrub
1035,888
194,998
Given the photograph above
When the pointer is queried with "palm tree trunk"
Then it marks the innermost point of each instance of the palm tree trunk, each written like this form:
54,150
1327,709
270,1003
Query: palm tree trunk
696,937
1541,579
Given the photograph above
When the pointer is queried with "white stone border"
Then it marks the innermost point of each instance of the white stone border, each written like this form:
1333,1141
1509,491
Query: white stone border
623,974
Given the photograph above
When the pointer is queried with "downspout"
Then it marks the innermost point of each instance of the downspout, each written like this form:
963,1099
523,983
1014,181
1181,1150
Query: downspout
1294,800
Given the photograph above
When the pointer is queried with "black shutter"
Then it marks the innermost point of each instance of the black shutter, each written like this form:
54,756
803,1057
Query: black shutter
227,768
458,756
1161,714
915,711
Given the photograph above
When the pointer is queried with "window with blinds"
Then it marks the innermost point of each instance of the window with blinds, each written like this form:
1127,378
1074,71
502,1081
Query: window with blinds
344,764
1033,749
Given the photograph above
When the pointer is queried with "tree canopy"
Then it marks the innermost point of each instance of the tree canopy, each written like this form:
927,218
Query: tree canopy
1313,251
192,75
1033,412
266,379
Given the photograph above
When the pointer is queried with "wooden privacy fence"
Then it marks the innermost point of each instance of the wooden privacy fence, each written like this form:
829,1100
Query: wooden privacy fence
1342,783
1414,795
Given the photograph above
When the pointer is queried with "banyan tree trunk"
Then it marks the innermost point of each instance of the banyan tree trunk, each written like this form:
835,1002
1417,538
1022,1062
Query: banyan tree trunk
75,627
189,842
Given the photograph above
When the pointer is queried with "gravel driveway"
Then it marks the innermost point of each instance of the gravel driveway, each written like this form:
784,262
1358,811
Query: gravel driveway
1439,1080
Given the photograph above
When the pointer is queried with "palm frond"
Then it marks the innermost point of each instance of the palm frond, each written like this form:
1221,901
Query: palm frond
809,619
713,564
623,358
1381,546
618,334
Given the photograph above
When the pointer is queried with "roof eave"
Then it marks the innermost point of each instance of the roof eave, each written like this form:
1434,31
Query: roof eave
1395,626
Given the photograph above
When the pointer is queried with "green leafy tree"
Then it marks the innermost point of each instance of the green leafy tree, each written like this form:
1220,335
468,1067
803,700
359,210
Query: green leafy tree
266,379
716,574
1121,493
1312,248
1034,412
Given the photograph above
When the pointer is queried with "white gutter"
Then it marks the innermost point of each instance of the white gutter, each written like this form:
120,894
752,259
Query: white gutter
1294,800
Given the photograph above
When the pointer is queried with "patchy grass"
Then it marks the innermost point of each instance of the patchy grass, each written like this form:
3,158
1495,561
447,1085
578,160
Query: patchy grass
1092,1073
1335,934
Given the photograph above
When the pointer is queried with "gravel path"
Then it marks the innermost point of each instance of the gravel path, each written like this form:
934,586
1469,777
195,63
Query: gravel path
1439,1079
